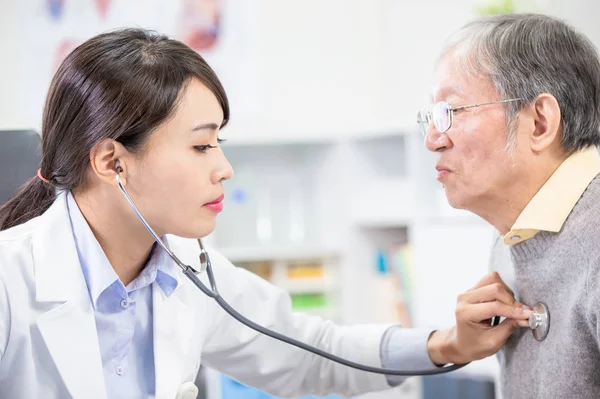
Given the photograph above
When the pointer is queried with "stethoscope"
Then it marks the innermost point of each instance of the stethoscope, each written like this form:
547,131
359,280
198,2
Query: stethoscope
539,322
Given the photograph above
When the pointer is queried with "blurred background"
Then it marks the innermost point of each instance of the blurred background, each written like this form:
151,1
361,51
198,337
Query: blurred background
334,196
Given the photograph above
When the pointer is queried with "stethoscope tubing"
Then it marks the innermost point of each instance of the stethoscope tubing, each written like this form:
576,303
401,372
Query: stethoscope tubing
213,293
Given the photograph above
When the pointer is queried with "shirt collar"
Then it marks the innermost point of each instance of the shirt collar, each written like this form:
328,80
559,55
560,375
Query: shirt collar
99,273
166,269
551,205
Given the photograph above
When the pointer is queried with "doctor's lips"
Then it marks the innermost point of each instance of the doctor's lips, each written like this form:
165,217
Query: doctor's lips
216,205
442,171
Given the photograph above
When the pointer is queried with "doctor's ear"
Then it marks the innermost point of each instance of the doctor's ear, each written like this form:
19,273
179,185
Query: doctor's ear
106,158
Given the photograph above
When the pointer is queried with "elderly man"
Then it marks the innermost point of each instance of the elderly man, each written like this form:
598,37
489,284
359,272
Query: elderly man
515,126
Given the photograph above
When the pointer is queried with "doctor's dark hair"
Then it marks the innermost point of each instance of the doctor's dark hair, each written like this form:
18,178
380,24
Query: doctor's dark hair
120,85
525,55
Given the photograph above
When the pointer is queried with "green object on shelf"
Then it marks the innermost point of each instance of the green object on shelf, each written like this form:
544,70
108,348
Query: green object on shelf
497,7
305,301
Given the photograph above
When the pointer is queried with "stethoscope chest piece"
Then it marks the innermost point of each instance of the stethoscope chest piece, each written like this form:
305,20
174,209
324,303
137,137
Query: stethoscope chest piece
539,321
203,259
187,391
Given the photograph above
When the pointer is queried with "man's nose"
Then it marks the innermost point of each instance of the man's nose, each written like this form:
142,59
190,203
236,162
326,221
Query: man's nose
436,141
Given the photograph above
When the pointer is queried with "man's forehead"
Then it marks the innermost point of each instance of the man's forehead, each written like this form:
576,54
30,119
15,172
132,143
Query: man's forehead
445,90
448,79
451,81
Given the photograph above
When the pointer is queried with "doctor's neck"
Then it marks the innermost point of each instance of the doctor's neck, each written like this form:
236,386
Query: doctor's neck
124,240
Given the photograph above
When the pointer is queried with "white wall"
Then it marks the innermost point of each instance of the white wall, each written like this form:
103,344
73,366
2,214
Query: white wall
323,68
583,14
315,64
10,77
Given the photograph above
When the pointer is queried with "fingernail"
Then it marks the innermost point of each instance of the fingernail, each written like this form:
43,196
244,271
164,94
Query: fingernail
526,307
527,313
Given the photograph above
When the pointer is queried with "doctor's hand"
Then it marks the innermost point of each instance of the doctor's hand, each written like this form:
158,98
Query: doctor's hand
473,337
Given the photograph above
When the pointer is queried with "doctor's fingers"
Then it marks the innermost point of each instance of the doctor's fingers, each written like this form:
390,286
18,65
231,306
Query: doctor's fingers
496,337
492,292
491,278
486,310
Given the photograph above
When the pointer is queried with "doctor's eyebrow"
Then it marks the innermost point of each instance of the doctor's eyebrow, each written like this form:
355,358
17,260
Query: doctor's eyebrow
206,126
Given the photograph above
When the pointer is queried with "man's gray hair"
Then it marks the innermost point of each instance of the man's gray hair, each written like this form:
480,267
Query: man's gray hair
525,55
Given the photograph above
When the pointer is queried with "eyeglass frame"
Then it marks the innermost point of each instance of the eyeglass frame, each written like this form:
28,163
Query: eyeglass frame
429,114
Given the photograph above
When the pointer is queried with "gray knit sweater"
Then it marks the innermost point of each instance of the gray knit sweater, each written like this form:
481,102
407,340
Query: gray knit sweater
563,270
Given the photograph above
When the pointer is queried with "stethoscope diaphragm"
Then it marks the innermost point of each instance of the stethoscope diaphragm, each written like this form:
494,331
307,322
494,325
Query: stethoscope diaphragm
539,321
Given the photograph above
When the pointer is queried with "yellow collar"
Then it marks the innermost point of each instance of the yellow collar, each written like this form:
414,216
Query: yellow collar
550,207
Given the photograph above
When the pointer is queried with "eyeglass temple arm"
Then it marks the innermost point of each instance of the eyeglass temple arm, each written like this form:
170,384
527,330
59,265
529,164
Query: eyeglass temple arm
488,103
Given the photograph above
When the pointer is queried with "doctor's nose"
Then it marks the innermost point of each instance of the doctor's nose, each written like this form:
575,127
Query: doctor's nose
222,172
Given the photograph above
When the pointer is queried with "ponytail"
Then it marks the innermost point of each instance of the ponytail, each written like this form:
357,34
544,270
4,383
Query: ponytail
32,199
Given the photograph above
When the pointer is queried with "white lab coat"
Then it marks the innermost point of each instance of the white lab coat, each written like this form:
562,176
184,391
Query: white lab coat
49,346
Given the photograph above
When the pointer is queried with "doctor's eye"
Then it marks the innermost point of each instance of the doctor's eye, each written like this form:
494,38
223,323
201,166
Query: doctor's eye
204,148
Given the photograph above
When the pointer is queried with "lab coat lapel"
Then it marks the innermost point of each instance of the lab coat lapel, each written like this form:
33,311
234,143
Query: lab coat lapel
68,327
173,326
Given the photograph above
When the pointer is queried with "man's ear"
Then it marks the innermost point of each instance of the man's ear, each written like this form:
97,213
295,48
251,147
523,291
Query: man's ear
546,118
104,157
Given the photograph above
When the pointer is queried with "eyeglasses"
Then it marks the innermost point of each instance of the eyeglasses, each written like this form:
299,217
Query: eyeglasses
442,114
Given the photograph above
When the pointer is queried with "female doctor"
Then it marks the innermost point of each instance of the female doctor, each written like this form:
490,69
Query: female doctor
91,308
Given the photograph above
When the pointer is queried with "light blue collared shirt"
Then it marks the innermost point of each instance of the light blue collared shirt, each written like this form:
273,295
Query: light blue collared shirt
123,313
405,349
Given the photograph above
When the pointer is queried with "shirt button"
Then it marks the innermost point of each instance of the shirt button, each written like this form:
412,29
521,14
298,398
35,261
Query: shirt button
120,370
515,238
124,303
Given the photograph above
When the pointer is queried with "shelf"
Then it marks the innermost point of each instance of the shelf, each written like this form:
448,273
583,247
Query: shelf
384,203
327,313
307,285
252,254
380,222
246,140
244,136
391,131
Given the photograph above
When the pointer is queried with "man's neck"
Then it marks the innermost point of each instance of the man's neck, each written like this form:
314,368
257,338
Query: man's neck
503,213
503,208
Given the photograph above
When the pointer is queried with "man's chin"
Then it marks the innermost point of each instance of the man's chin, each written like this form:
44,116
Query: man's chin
454,199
